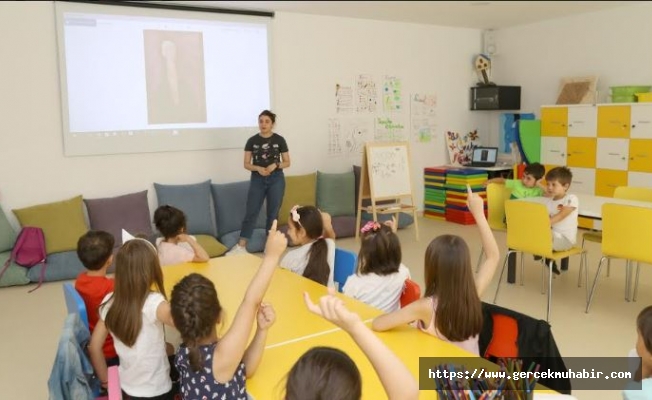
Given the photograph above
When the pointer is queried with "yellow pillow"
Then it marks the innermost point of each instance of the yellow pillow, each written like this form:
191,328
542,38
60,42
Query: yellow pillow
301,190
212,246
62,223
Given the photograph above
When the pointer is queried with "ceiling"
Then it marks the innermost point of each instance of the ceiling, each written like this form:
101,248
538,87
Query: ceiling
469,14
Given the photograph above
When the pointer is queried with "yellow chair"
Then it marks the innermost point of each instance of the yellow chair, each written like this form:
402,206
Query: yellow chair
627,235
497,194
621,192
529,231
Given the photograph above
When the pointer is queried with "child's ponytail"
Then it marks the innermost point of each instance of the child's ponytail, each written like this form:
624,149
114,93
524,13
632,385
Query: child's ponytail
318,269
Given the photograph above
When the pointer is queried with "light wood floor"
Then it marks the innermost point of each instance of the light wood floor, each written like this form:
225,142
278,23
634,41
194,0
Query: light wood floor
31,323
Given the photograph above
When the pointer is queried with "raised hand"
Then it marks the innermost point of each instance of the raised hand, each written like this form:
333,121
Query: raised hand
393,224
266,316
277,242
474,202
332,309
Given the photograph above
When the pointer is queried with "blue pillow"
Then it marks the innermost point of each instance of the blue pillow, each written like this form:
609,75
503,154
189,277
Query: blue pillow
194,200
230,200
60,266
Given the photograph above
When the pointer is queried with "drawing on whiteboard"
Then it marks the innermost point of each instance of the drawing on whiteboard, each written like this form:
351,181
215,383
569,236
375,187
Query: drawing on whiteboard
423,129
390,129
366,95
348,137
392,97
344,98
389,171
423,105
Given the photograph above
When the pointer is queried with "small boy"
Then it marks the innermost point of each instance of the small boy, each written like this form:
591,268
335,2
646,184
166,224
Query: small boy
95,250
528,186
176,247
563,210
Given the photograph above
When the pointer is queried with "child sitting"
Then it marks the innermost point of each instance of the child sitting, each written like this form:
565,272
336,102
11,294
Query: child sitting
313,231
451,308
380,276
644,350
95,251
329,373
563,211
528,186
176,247
217,368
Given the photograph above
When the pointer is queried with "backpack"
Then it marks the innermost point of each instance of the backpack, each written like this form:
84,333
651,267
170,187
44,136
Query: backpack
29,251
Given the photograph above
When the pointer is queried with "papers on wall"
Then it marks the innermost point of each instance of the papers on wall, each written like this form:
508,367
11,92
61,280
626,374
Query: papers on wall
348,135
423,105
423,129
366,94
344,100
392,97
390,129
422,113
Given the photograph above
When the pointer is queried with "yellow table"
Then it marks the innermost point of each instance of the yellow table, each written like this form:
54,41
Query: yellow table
232,275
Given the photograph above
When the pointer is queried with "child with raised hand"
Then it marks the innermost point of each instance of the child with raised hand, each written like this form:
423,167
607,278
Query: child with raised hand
329,373
451,308
134,315
218,367
176,247
95,251
643,350
312,230
380,275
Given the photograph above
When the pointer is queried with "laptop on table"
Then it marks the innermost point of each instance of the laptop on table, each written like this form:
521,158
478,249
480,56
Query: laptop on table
484,157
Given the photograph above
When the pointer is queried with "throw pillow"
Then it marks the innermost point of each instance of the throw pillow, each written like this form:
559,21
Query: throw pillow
60,266
336,193
194,200
301,190
129,211
230,200
62,223
15,275
7,233
211,245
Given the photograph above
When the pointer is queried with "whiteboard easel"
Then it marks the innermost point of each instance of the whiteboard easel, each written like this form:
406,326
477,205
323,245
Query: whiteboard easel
386,175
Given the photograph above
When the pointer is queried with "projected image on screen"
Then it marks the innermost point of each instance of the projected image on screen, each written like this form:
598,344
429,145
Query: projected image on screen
174,72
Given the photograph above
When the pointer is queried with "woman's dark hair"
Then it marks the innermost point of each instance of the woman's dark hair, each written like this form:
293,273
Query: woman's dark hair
644,325
380,252
195,311
310,220
324,373
170,221
269,114
449,279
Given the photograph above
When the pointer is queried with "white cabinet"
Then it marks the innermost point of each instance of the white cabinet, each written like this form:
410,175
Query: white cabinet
582,121
553,150
640,179
612,154
641,121
583,181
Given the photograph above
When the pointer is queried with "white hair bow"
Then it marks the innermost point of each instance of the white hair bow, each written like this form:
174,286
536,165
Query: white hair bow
126,236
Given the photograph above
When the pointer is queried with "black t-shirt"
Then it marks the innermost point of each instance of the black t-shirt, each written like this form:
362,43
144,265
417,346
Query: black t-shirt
266,151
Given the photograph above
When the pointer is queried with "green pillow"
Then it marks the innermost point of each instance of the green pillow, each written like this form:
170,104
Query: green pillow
336,193
211,245
301,190
15,275
62,223
7,233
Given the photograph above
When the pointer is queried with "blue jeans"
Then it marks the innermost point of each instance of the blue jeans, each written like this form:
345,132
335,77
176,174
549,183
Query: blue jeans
261,188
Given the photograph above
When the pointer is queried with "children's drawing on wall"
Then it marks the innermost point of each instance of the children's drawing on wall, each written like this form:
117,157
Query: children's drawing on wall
422,112
390,129
460,147
348,136
509,140
344,98
366,94
392,97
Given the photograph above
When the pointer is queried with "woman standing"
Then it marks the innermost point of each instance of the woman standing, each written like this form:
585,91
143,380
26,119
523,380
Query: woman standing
266,155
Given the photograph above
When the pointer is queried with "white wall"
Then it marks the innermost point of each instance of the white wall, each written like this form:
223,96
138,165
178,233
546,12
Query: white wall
310,53
613,44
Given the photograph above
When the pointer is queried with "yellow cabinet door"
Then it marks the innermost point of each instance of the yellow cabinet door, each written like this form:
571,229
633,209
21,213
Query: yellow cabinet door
554,121
640,155
613,121
581,152
607,180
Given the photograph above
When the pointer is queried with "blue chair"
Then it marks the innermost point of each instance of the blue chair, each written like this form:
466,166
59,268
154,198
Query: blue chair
75,303
345,262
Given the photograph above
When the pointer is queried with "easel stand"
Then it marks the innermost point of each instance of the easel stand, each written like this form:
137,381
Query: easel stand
385,175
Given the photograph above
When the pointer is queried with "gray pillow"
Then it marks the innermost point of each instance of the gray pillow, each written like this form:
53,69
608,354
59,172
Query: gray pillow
15,275
194,200
336,193
130,212
7,233
230,200
60,266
